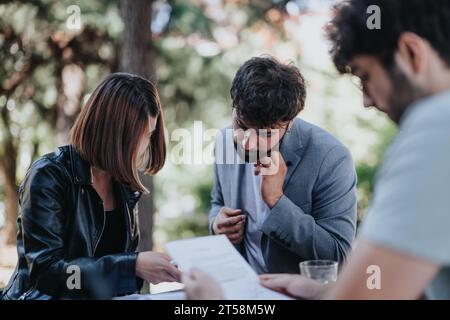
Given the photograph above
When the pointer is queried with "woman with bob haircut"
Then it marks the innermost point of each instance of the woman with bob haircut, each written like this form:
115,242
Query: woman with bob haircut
78,227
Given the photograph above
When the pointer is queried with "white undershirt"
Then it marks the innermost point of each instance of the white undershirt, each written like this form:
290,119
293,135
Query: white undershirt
256,210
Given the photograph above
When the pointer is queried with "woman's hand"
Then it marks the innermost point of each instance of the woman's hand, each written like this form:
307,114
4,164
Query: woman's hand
200,286
155,267
295,285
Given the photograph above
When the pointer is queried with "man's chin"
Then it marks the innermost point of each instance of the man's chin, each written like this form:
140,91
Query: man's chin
396,113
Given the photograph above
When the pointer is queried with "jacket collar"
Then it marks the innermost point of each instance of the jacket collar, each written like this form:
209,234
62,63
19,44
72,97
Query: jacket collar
292,148
81,169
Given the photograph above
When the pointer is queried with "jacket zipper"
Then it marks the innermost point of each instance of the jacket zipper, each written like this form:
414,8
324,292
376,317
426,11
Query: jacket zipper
129,222
27,293
103,229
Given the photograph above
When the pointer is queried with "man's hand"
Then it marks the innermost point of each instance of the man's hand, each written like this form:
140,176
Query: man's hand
294,285
230,222
200,286
273,173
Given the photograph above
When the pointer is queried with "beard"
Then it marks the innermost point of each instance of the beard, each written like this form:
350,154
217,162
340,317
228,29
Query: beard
404,93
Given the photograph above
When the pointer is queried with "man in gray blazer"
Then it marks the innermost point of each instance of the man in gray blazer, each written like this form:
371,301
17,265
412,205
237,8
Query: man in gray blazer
284,189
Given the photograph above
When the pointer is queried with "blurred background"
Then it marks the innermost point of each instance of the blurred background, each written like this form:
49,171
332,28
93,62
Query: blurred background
54,53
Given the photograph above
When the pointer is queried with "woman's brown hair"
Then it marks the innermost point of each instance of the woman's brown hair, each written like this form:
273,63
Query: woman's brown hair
110,128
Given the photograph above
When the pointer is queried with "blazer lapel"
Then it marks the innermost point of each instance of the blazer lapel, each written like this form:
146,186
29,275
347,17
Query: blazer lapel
292,150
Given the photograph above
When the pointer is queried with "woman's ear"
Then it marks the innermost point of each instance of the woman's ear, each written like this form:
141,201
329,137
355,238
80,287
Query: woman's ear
412,56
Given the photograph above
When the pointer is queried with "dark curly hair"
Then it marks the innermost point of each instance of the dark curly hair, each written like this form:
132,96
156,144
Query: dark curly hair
267,93
350,35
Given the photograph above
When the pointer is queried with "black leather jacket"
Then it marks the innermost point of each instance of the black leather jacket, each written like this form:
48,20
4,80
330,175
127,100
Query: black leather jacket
60,225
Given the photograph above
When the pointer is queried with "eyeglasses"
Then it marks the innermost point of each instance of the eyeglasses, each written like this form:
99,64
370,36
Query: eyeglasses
249,156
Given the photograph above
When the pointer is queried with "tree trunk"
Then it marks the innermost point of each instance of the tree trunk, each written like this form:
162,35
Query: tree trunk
137,58
11,207
69,105
8,163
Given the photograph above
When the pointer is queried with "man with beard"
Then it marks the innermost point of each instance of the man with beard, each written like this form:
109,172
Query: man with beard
403,248
405,72
284,189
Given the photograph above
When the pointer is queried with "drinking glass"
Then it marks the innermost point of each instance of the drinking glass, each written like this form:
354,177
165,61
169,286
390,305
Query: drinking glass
323,271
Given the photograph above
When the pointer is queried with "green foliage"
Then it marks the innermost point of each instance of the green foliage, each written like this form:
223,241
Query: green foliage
366,170
35,45
194,84
187,18
196,87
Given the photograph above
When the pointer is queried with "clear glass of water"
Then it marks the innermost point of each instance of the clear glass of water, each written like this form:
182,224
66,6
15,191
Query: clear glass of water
323,271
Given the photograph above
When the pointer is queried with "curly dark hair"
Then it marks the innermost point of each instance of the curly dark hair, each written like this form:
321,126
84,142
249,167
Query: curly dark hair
267,93
350,35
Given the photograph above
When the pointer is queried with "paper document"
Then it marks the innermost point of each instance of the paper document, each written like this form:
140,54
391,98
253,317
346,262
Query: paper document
171,295
216,256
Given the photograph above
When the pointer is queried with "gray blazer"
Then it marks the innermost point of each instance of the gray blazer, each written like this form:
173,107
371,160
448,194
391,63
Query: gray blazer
316,217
